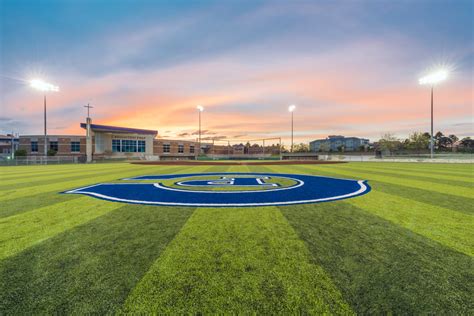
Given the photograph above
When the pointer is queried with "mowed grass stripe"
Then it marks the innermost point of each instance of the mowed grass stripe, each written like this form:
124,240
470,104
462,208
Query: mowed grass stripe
86,172
236,260
448,201
412,172
27,178
54,179
429,166
382,268
412,176
59,186
464,171
24,230
441,188
50,169
450,228
466,175
31,202
90,268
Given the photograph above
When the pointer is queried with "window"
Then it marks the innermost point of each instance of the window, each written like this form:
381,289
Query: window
116,145
75,147
166,148
53,146
180,149
129,146
141,146
191,149
34,147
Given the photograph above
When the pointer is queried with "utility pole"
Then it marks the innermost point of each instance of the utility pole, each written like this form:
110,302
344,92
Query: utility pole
13,146
291,131
291,109
200,108
432,139
88,134
45,134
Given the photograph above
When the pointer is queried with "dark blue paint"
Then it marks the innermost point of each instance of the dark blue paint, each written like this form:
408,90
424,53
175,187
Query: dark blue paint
313,189
230,181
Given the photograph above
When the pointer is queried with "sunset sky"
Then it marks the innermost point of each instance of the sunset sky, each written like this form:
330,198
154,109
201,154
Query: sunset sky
351,67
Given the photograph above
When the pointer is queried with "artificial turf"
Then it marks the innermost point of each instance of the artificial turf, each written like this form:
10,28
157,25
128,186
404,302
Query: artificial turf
407,247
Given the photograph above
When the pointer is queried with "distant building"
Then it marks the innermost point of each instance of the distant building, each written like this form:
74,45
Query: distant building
336,142
8,143
111,142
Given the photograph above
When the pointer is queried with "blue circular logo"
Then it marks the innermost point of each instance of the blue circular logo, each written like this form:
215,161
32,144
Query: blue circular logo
226,189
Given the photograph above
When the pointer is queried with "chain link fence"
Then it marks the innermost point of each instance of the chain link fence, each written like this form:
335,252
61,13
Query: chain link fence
405,157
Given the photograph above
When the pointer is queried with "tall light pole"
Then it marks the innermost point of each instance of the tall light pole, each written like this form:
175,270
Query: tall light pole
200,108
432,79
291,109
43,86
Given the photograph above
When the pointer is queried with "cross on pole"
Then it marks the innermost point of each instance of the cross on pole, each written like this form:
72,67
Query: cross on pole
88,108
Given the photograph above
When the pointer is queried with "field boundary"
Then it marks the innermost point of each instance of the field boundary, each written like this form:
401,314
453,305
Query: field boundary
236,163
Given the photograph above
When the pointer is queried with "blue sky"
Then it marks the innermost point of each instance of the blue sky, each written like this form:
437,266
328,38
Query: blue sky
148,63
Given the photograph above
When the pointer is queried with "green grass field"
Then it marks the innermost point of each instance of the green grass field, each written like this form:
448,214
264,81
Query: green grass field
407,247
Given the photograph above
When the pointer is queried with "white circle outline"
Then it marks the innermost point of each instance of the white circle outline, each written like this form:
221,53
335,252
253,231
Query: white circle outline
299,183
361,183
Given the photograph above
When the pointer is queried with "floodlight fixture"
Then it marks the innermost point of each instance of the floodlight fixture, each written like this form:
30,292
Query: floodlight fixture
44,86
434,78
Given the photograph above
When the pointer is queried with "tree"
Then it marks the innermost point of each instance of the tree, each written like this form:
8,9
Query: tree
426,134
51,152
301,148
389,142
419,141
441,141
20,153
444,142
454,139
467,142
324,147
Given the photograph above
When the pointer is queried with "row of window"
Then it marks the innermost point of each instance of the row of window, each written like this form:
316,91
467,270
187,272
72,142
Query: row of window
128,146
53,145
167,148
118,145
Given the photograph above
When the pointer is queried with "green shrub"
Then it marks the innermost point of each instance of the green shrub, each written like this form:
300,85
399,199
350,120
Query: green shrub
20,153
52,152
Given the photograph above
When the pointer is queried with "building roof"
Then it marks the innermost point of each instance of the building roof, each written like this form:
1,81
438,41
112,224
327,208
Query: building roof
334,138
51,136
116,129
8,137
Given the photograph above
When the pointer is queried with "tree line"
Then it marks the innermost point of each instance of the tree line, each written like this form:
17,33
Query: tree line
418,141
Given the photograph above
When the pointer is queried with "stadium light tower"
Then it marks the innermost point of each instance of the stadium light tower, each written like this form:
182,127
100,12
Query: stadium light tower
432,79
45,87
291,109
200,108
